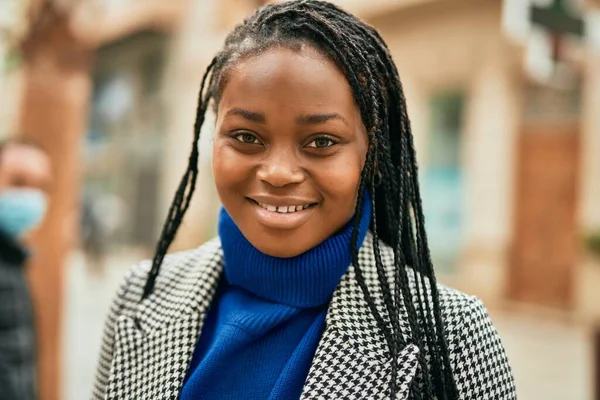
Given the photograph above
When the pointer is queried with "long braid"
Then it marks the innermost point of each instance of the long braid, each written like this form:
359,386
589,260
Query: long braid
423,246
397,215
398,282
421,236
359,273
184,192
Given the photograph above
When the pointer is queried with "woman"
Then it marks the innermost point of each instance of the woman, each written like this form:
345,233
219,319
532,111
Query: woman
320,283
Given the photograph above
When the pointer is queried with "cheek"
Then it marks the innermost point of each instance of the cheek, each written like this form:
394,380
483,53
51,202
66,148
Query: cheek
339,181
228,168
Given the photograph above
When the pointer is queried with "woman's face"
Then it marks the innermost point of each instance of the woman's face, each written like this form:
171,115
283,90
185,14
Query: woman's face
288,150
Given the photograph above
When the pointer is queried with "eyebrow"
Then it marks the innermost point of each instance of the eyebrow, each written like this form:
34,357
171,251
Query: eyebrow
312,119
315,119
249,115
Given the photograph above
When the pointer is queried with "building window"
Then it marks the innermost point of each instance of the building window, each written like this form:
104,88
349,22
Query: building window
125,139
442,180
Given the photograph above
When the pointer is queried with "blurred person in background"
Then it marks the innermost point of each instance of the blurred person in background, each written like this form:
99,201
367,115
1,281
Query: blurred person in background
93,237
320,283
102,216
25,176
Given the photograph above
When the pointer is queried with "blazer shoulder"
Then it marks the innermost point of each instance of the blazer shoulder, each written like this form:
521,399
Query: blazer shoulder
454,302
477,356
179,272
176,268
458,309
479,362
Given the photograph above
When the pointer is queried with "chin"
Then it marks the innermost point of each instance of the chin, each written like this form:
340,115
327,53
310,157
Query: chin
281,248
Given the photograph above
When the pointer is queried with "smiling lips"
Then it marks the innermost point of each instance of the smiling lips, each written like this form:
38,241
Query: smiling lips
283,209
278,213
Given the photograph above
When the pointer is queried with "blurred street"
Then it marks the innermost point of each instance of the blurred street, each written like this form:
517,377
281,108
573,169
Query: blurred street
550,359
87,300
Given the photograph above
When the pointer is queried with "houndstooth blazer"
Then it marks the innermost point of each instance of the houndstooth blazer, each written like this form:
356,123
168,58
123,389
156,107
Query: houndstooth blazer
147,346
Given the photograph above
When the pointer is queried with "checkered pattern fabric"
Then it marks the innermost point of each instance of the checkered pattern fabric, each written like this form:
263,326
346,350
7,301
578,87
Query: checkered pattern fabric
17,333
147,346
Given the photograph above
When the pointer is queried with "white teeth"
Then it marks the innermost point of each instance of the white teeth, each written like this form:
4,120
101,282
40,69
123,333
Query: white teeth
283,209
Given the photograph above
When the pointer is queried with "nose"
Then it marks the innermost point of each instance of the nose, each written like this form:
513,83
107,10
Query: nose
281,168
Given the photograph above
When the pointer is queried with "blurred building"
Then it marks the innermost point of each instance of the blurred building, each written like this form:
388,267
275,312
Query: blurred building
508,164
9,79
126,134
145,83
48,49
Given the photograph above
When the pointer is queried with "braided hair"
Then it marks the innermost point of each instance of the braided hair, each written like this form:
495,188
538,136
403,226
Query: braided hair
390,171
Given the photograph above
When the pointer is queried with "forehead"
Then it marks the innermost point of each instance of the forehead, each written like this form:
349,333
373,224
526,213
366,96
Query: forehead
26,161
290,78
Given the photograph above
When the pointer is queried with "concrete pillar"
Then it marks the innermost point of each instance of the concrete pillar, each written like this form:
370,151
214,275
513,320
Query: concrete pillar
589,215
491,125
587,294
56,91
196,42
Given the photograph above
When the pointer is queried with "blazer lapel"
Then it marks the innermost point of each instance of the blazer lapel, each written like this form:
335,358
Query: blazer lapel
155,345
352,360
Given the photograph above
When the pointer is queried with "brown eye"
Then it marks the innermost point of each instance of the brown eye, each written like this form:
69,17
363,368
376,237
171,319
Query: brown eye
247,138
321,143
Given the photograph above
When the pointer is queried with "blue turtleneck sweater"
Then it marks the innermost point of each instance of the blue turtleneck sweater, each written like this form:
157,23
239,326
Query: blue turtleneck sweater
264,325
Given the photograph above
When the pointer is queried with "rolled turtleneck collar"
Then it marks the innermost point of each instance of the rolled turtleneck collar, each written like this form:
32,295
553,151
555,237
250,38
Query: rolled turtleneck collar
306,280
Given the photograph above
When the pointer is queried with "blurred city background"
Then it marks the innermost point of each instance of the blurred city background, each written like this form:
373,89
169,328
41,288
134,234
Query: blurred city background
504,98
